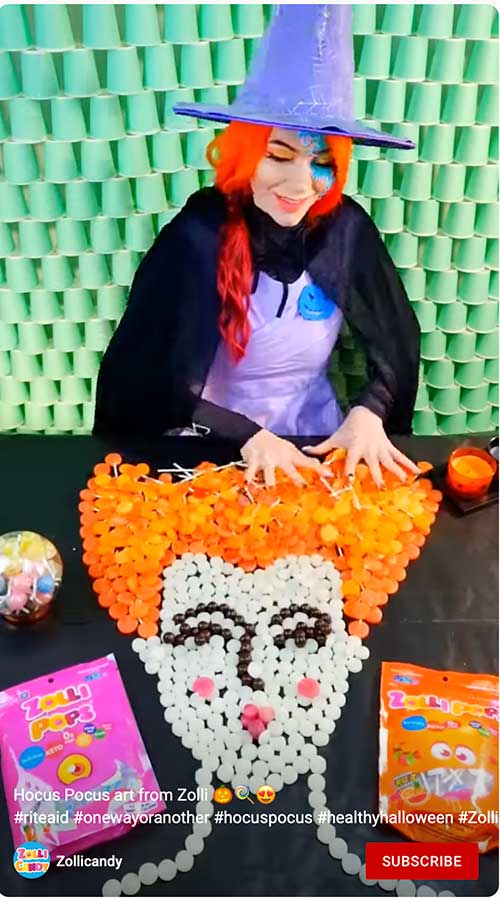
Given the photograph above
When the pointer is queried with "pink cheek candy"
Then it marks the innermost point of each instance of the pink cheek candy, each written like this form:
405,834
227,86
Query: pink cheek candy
308,688
255,728
204,687
266,714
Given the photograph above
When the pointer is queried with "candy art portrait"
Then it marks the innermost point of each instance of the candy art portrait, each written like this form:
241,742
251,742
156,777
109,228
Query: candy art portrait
249,587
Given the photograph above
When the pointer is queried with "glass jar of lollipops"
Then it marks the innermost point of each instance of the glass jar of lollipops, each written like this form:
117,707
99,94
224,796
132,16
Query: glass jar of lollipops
30,575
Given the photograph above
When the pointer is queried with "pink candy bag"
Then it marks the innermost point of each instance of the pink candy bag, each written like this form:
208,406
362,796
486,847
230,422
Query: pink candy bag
70,746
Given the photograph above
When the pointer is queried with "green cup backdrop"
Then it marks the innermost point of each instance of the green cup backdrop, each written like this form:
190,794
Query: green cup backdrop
93,163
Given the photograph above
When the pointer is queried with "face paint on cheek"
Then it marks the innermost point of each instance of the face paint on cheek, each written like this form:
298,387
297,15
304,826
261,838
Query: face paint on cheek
323,177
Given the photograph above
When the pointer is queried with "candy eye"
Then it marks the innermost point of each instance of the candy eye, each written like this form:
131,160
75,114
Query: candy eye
441,750
465,755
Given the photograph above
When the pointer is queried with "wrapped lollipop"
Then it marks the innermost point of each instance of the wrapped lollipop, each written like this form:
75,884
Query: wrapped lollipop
30,575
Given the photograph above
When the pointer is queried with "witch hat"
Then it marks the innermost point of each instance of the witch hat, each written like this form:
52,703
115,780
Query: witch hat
302,78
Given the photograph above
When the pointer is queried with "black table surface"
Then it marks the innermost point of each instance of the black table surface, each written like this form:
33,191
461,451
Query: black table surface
444,616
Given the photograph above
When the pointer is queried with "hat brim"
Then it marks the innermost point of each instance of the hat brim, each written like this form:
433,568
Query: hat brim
301,121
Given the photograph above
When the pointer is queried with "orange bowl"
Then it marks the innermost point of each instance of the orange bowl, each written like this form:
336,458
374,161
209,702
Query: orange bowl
470,471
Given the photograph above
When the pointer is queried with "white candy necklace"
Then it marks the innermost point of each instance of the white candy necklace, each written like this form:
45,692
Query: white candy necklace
253,674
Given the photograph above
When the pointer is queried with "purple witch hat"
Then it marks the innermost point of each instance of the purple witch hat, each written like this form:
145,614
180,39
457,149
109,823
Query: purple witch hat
302,78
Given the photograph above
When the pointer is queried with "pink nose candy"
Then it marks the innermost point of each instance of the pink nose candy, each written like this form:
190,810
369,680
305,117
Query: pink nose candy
204,687
255,719
308,687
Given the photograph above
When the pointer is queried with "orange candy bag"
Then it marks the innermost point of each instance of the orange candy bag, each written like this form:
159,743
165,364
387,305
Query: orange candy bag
438,754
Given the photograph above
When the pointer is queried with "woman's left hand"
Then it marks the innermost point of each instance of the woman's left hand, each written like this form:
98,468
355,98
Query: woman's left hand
363,435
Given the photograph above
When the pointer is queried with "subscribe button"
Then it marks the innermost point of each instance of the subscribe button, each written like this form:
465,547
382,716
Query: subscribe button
422,860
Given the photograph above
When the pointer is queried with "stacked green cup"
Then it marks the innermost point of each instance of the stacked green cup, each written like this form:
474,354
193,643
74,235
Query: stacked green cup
442,285
93,270
97,160
229,61
139,232
123,71
446,401
100,27
469,255
248,20
196,146
15,31
475,20
195,65
9,84
473,145
104,236
133,157
451,424
68,122
437,144
26,120
166,151
483,318
141,115
214,22
117,199
20,163
436,20
71,237
141,25
410,61
78,305
180,23
471,374
460,101
38,74
447,61
452,317
110,301
159,67
458,219
414,280
440,374
44,306
85,362
13,306
422,218
124,264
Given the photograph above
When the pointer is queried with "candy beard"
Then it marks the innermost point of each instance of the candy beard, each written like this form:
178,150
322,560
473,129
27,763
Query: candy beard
214,728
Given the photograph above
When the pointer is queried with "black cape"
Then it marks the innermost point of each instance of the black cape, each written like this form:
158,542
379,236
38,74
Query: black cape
155,367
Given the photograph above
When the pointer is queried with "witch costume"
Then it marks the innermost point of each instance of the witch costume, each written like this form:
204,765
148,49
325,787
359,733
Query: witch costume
167,367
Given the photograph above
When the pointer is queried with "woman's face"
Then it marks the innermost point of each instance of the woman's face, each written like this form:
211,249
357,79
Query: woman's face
295,172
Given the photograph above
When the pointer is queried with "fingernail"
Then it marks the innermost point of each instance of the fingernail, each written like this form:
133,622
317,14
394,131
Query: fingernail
306,448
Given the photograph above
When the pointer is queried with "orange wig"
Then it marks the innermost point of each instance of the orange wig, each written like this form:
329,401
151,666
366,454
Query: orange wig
235,154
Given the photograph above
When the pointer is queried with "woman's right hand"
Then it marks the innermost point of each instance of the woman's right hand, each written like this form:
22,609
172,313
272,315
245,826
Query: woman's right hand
265,452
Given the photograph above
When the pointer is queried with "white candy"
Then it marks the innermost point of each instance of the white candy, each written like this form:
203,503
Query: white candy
131,884
388,885
406,888
351,864
364,880
338,848
325,833
148,874
112,888
425,891
184,861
